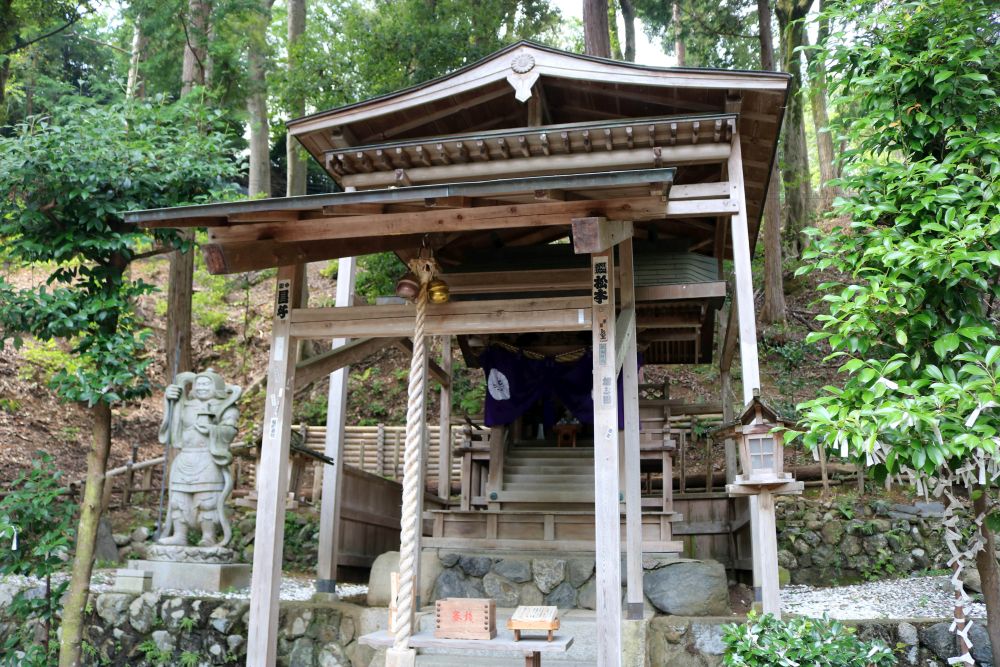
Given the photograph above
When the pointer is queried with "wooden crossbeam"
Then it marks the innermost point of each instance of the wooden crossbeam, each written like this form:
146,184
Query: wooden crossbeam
458,318
624,330
255,255
466,219
442,376
314,368
597,234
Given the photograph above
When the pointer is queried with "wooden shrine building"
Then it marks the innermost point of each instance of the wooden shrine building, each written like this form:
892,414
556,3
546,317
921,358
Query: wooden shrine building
572,206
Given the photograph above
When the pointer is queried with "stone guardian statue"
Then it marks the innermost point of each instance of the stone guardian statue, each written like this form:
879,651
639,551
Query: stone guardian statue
200,424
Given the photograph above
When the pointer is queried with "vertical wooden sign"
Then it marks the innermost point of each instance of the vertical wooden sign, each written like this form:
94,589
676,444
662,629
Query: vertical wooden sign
606,497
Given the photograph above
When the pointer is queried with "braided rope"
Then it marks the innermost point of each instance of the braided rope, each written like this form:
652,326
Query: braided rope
411,476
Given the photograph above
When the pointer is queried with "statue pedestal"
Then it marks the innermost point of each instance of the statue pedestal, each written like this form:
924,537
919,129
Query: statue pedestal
193,568
212,577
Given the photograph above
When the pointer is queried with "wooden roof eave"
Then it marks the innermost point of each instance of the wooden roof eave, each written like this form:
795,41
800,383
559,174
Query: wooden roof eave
548,62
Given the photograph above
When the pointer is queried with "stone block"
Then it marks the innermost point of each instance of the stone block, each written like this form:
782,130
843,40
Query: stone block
549,573
213,577
689,588
133,581
378,579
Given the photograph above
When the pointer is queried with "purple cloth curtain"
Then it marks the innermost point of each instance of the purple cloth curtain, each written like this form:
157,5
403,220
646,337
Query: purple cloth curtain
515,383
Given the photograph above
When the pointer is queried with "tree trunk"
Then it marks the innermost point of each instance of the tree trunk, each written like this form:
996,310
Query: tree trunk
989,574
675,20
4,76
773,311
821,120
193,69
294,157
628,14
795,166
133,88
181,272
86,538
260,157
596,33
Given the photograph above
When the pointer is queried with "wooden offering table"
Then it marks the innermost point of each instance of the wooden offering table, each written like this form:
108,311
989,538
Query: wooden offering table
531,649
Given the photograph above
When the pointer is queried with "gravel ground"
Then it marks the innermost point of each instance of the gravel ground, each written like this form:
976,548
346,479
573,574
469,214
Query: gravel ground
916,597
292,588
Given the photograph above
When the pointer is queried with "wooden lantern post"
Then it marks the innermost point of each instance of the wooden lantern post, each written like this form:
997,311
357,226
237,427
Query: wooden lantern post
762,464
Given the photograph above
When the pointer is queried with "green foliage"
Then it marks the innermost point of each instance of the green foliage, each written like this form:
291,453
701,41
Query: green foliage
189,659
715,34
765,641
10,405
353,49
377,275
67,209
153,654
36,531
915,325
44,360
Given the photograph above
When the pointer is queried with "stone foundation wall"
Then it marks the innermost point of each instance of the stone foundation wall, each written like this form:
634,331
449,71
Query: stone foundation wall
671,585
845,541
154,630
697,642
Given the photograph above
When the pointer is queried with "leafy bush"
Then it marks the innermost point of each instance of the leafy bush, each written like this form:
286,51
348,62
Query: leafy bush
766,641
36,529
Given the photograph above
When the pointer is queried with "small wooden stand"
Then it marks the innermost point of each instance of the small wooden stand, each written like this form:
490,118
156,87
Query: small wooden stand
533,618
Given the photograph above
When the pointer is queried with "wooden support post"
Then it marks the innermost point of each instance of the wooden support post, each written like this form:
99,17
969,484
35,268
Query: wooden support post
747,324
444,427
334,448
632,491
823,475
726,391
380,450
743,277
767,536
498,450
262,639
595,235
129,477
607,526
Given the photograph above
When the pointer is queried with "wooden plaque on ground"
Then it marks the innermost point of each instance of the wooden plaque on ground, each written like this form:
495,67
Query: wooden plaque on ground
465,618
533,618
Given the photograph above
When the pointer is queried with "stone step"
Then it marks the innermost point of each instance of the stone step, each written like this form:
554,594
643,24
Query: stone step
509,470
563,463
541,486
548,478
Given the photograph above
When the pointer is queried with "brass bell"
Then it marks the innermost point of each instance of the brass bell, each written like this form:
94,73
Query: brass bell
408,287
438,291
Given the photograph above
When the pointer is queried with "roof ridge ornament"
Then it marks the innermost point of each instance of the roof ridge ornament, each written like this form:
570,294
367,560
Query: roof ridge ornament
522,78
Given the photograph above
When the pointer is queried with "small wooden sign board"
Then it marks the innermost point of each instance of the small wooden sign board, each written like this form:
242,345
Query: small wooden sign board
533,618
465,618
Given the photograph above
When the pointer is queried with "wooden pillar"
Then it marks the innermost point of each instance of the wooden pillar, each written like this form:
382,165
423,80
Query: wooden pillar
444,427
748,355
744,280
262,639
726,397
766,536
333,447
607,526
632,490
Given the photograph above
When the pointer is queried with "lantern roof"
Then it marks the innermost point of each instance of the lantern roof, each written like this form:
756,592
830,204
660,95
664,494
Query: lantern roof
756,411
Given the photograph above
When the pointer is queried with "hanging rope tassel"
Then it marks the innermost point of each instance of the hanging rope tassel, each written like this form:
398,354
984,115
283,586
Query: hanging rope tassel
410,522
